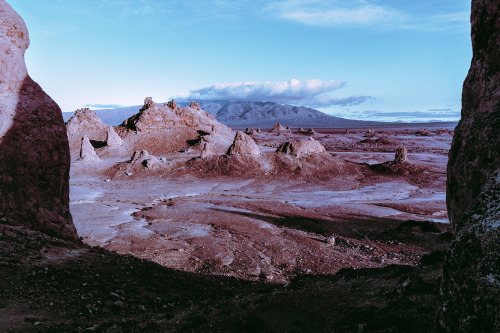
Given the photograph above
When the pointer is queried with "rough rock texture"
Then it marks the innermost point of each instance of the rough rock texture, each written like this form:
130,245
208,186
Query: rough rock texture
301,148
475,151
470,292
401,155
310,131
143,158
206,150
85,122
113,139
87,152
164,129
34,155
243,144
279,128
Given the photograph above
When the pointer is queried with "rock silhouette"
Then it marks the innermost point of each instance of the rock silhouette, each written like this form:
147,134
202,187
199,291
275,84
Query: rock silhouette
470,291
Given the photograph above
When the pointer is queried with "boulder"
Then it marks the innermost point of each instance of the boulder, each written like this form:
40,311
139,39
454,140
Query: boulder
301,148
143,158
172,104
470,290
243,145
311,131
401,155
113,139
34,153
87,152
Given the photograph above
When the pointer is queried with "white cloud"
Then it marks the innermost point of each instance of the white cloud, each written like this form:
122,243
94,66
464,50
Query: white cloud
361,13
309,92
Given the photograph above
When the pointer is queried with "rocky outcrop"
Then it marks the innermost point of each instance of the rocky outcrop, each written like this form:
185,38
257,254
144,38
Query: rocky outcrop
85,122
113,139
206,150
470,291
401,155
195,105
279,128
143,158
243,145
310,131
34,154
87,151
301,148
163,129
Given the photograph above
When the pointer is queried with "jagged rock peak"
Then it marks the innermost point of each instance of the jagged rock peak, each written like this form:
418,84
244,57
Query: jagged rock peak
34,154
278,128
301,148
401,155
148,103
113,139
244,145
87,151
195,105
172,104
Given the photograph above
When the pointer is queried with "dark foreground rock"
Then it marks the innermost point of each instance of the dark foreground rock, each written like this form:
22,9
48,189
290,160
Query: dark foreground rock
52,285
34,153
470,294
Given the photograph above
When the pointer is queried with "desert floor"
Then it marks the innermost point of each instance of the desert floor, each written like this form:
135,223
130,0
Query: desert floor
273,227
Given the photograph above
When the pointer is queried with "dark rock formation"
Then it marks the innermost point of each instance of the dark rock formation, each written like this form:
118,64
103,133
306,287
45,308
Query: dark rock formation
470,291
475,151
34,154
401,155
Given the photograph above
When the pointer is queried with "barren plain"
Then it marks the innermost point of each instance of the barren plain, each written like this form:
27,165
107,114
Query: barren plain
242,216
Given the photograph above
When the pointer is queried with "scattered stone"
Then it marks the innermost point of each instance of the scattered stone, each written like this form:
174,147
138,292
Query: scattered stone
113,139
195,105
87,151
244,145
279,128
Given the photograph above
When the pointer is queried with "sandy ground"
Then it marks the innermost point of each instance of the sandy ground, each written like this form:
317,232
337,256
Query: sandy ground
270,228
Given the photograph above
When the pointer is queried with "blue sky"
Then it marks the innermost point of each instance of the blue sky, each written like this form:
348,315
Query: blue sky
361,59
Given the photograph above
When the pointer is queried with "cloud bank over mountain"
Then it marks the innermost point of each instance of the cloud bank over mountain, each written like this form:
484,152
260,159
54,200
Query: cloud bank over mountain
315,93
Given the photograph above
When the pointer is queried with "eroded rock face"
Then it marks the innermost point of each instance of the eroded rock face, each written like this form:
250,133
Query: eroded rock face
34,154
301,148
243,145
85,122
163,129
470,291
475,151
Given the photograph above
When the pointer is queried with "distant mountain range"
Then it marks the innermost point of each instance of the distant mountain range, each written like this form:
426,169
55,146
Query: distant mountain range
248,114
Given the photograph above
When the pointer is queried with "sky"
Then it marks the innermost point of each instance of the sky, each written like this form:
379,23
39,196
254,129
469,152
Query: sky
387,60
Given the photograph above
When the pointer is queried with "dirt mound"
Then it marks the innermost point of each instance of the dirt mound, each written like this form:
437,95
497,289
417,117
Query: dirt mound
301,148
169,128
317,166
243,145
